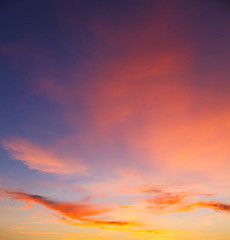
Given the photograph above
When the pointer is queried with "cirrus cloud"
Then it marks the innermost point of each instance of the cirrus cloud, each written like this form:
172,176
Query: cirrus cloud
35,157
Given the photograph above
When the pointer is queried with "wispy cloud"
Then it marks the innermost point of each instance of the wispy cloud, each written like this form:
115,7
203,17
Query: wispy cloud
216,206
169,203
36,157
84,213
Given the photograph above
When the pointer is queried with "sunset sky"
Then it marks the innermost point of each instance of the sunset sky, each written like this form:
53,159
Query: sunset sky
115,120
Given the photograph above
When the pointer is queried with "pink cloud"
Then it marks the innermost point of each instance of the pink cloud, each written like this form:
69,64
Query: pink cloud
45,160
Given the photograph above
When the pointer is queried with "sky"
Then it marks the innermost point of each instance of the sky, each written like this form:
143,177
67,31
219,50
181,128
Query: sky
114,119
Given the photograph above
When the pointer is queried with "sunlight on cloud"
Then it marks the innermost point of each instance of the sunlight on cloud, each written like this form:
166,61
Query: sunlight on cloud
40,159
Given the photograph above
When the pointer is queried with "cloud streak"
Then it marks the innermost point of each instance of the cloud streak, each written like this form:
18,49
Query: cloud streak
84,213
168,203
216,206
35,157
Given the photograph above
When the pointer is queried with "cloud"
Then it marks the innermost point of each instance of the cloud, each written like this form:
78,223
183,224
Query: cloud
144,101
35,157
71,210
134,96
216,206
85,214
133,218
167,203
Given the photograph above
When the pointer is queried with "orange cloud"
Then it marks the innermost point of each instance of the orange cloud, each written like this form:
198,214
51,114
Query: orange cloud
40,159
84,214
216,206
75,211
166,203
